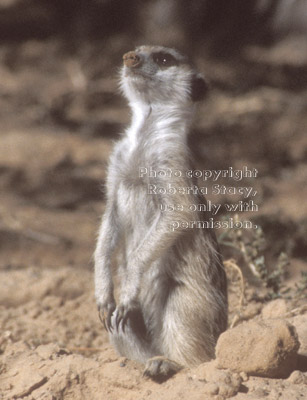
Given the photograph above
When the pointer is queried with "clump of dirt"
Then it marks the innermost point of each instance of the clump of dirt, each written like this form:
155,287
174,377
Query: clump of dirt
267,348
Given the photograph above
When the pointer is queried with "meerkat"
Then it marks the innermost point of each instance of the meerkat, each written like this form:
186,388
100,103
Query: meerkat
172,303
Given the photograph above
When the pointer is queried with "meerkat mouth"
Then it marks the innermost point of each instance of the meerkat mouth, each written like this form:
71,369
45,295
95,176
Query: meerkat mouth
133,72
137,74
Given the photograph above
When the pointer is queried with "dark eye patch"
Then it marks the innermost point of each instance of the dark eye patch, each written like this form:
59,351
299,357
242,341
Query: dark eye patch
164,59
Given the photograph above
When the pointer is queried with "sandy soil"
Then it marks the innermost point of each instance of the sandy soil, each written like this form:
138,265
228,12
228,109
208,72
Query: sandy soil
59,116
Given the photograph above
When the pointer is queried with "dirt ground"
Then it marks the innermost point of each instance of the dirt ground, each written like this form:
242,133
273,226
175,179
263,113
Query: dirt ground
59,116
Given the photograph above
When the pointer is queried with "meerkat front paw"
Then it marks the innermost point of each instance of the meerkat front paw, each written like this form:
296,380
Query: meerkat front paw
123,312
105,311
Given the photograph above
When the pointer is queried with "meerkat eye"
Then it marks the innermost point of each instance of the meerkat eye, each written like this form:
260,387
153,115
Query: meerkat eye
164,59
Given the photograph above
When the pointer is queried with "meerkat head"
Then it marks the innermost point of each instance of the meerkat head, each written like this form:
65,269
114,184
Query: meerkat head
160,75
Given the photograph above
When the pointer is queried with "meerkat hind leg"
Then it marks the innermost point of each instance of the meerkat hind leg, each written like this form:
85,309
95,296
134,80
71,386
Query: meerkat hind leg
160,368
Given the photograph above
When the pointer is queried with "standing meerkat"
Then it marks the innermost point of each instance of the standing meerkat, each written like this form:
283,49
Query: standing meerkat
172,302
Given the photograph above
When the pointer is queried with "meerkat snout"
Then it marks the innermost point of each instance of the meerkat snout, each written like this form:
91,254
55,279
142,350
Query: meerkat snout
131,59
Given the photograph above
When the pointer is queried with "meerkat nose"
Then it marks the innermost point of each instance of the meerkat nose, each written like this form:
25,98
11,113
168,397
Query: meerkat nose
131,59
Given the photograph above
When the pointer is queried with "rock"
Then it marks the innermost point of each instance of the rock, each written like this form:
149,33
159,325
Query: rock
266,348
274,309
244,376
300,323
211,388
260,392
218,382
298,377
227,391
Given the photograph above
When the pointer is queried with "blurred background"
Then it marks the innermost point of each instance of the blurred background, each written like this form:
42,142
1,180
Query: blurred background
60,112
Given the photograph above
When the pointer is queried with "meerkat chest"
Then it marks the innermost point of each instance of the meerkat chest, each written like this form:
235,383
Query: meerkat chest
134,204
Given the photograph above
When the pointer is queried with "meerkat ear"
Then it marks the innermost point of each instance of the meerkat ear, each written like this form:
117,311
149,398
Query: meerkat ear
199,88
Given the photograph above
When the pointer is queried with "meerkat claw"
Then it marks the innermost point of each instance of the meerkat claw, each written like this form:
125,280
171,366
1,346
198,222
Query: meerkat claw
105,316
102,318
118,318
